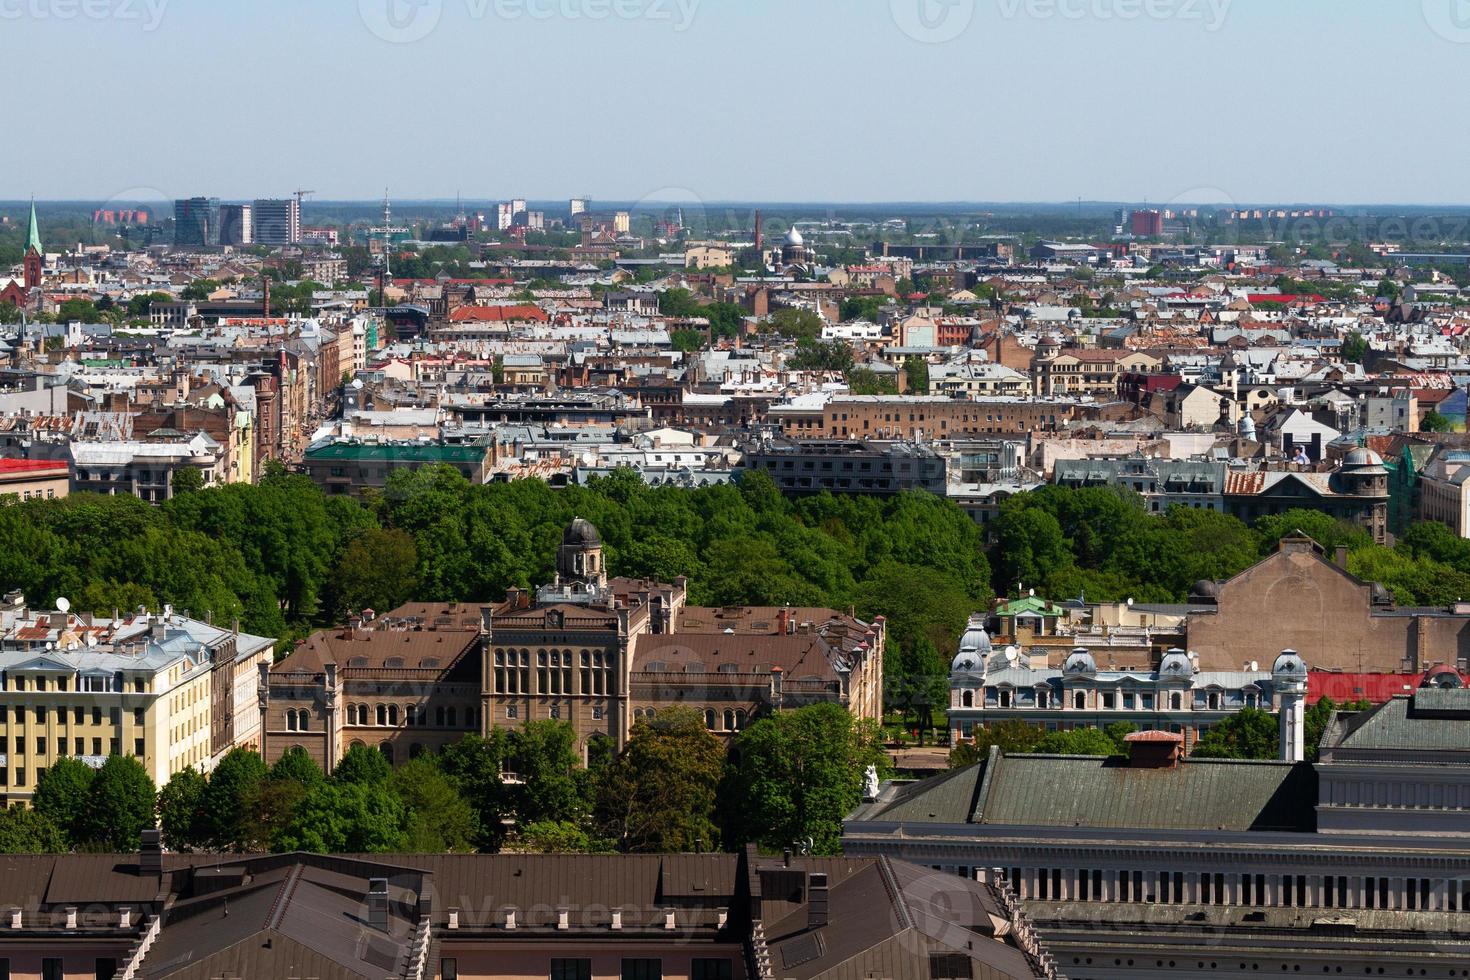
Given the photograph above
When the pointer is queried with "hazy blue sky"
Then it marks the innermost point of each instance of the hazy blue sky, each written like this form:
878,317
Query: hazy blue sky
1343,101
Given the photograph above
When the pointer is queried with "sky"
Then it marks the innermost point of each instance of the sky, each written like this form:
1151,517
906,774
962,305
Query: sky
1189,101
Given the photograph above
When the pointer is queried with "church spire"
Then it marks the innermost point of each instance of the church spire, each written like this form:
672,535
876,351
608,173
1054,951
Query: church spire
33,233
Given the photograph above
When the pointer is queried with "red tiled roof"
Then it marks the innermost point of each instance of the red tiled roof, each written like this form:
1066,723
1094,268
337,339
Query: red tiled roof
17,466
1290,299
1376,688
498,314
1253,482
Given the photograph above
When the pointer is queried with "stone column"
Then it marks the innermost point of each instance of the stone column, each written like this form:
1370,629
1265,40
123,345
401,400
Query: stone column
1111,892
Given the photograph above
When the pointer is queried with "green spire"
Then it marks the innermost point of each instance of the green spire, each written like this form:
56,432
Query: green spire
33,234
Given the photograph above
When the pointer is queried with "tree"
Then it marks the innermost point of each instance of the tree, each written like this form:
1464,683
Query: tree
917,373
543,754
362,765
793,776
233,784
1078,741
796,324
64,796
554,837
923,682
378,570
1354,348
659,794
187,479
473,765
688,341
346,818
1013,737
181,810
123,802
439,818
866,381
296,765
1250,733
1435,422
821,355
24,830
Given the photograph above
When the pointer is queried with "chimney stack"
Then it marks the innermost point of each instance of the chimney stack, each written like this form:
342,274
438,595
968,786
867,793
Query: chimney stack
150,853
816,901
377,903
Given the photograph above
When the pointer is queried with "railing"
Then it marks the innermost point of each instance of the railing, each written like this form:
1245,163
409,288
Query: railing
140,951
418,951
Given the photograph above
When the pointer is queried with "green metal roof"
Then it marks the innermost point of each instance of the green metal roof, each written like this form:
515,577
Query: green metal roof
413,453
1433,719
33,233
1201,794
1025,604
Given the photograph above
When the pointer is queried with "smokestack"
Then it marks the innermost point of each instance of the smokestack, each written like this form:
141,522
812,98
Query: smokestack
759,237
816,901
377,903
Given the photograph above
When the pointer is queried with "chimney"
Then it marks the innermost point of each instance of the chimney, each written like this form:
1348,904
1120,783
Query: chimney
1154,750
816,900
150,853
71,916
377,903
1342,555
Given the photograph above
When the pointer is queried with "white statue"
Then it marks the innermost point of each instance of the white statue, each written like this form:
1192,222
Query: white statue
870,783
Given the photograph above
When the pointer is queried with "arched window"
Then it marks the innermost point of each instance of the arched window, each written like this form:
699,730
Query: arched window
1175,701
729,719
382,715
415,750
967,699
352,714
709,718
739,720
450,712
303,720
393,715
1079,700
387,749
1041,698
290,719
439,716
411,715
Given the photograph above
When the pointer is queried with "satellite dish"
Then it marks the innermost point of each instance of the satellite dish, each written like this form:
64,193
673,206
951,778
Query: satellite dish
63,604
1031,592
1130,602
1012,655
1255,666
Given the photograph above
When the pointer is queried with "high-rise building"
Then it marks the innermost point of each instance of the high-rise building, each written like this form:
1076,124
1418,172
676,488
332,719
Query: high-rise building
196,221
504,216
1148,224
580,205
277,221
235,224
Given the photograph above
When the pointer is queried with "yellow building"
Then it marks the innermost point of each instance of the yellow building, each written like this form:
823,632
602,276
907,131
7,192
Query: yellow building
171,691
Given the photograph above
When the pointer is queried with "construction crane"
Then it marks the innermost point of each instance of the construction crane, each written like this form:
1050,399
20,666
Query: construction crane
300,197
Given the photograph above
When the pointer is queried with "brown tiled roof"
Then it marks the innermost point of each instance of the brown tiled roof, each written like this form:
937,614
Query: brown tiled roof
375,649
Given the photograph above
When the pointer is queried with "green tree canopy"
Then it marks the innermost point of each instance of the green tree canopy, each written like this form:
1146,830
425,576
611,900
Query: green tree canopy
27,831
232,786
793,776
339,817
64,797
659,794
123,802
361,764
181,810
1248,734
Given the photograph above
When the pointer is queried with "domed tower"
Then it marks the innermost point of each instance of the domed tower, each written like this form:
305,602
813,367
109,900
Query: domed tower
579,559
1289,681
967,671
794,250
1364,475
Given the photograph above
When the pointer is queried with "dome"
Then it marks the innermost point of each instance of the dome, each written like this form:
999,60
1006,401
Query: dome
975,640
1176,663
583,534
1442,675
793,237
1361,457
1204,589
1079,661
967,663
1290,666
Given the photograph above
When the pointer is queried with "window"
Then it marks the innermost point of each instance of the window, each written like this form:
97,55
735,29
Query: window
703,969
571,969
138,747
643,969
51,969
510,712
106,969
449,969
949,966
